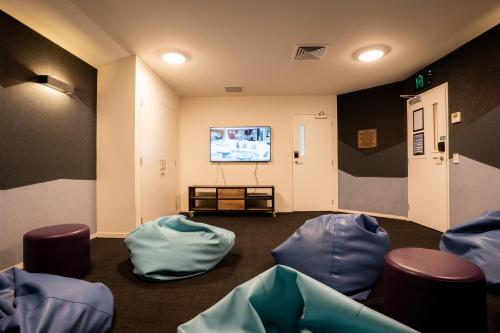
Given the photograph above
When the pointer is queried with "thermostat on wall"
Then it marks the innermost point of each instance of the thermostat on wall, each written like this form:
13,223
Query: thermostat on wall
456,117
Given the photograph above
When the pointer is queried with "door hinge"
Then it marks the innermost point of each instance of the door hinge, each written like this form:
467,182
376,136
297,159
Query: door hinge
175,163
142,102
142,219
140,161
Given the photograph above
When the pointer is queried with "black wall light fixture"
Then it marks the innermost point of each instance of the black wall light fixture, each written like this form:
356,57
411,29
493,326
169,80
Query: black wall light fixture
55,83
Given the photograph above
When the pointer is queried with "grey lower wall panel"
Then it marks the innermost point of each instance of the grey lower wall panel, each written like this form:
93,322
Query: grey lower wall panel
373,194
474,188
33,206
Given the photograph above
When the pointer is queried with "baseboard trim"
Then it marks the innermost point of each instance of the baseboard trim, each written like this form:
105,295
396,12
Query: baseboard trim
111,234
19,265
395,217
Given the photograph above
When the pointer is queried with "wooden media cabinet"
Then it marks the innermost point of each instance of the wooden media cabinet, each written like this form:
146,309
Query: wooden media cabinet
231,199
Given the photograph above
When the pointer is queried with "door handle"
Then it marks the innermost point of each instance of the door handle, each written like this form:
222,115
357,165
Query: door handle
441,158
298,162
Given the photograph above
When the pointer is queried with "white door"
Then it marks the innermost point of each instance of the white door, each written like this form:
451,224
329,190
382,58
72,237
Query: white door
313,169
158,158
427,158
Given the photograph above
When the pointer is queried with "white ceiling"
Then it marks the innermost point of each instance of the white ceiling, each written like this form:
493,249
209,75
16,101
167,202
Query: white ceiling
250,43
66,25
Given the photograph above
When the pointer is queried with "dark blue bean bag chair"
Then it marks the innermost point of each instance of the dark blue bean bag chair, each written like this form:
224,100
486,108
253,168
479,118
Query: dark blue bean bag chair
44,303
283,300
478,240
172,247
344,251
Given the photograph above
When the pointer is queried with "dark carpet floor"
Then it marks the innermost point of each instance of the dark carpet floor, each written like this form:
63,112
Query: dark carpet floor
149,307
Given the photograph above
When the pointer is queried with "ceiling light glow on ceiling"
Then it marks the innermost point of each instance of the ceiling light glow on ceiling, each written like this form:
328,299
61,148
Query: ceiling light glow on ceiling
371,53
174,57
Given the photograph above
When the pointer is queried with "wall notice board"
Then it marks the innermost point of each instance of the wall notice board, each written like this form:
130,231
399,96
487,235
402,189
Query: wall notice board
367,138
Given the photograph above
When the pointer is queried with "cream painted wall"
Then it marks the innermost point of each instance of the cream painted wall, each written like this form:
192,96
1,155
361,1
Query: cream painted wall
200,113
120,88
115,187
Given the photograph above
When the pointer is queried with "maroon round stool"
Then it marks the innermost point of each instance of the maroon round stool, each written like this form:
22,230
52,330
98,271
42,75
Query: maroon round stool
62,249
434,291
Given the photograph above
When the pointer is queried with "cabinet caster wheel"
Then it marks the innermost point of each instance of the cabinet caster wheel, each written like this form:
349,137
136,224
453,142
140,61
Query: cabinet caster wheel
191,214
274,215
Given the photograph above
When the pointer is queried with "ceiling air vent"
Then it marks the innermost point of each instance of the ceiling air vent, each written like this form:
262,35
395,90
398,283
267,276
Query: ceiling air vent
309,52
233,89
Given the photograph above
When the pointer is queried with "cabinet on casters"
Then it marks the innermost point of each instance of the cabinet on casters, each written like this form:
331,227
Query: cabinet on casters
231,199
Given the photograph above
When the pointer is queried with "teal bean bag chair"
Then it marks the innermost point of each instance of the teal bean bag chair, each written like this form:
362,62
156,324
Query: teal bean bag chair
172,247
283,300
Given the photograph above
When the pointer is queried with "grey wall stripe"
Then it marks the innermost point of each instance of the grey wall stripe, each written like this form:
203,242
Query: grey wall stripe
474,188
33,206
373,194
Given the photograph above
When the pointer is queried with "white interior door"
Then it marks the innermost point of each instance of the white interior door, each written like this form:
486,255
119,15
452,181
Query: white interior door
158,158
427,161
313,169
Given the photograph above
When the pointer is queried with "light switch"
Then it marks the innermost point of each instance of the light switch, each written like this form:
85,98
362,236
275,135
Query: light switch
456,117
456,158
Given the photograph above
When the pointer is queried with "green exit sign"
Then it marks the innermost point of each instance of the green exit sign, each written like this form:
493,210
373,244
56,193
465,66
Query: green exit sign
423,79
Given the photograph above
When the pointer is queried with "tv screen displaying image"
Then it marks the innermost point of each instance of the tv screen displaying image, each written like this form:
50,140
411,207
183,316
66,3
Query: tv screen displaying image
240,144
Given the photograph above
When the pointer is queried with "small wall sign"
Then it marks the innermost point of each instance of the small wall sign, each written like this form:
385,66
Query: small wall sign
418,120
367,138
418,144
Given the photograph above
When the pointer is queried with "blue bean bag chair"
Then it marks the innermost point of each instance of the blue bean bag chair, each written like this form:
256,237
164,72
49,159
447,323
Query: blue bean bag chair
42,303
172,247
344,251
284,300
478,240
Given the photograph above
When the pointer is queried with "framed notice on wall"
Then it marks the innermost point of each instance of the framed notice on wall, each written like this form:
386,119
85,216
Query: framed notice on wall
418,144
367,138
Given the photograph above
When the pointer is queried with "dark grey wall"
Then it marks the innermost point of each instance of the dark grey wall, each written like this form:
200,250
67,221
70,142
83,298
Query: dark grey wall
380,108
473,75
47,138
44,134
373,180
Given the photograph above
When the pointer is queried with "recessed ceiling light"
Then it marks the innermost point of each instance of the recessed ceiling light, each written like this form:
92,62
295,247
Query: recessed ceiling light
371,53
174,57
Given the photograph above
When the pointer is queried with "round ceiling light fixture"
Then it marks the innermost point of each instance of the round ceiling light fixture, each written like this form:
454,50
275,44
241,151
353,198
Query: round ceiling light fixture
371,53
174,57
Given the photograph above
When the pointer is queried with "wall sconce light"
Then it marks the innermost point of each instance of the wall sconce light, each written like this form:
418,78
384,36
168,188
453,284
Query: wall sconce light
55,83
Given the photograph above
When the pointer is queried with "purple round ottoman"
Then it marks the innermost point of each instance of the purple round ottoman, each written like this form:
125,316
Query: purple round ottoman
434,291
62,249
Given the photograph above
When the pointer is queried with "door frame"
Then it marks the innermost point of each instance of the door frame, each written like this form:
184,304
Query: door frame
447,147
334,197
144,93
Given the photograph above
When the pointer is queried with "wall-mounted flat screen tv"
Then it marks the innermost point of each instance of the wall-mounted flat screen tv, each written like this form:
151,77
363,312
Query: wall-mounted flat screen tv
240,144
